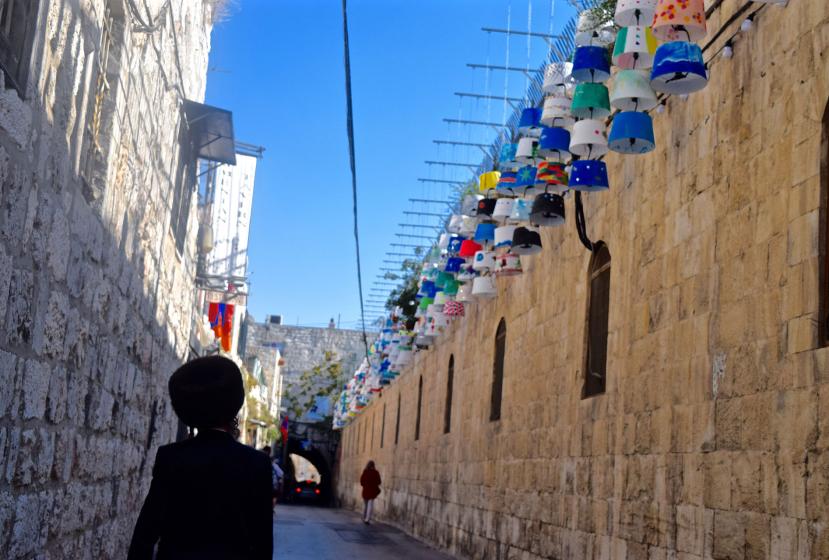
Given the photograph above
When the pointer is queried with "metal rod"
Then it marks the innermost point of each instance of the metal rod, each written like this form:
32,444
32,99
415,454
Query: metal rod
406,245
430,201
421,226
482,96
411,213
481,123
414,236
504,68
446,181
472,166
524,33
453,143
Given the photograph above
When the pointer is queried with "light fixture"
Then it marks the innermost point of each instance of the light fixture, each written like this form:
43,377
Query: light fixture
661,107
747,24
727,50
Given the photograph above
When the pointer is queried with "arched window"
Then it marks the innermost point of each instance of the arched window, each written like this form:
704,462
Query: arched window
447,411
397,423
823,296
419,401
498,371
598,300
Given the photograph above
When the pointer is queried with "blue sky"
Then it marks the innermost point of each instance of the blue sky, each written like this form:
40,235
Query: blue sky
278,65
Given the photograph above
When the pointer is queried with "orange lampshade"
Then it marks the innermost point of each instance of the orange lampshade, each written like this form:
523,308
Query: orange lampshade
679,20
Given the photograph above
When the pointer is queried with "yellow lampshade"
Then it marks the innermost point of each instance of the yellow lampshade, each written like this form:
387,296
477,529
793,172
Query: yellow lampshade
489,180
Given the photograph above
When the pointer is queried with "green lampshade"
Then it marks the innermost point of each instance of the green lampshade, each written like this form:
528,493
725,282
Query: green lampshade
426,302
442,277
591,101
451,287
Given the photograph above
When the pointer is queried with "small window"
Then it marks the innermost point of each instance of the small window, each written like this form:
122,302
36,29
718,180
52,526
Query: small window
598,305
498,371
383,427
447,410
17,28
823,299
397,424
419,401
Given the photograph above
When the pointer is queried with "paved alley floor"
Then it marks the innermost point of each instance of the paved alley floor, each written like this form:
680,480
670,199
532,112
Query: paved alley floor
314,533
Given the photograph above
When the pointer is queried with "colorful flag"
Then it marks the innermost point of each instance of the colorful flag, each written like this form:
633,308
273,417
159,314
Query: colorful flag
221,321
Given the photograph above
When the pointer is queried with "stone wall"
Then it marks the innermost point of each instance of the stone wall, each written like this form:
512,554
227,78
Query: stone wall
711,440
96,299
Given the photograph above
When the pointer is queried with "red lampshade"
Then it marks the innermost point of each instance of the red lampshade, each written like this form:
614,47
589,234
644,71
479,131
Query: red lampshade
469,248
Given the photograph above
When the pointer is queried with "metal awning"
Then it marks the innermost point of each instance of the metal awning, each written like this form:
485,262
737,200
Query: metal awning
211,130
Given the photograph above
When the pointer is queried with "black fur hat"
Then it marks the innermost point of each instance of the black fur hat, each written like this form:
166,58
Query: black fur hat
207,392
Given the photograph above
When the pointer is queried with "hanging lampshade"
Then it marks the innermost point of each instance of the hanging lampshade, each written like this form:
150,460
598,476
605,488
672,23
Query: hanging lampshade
469,204
520,210
634,12
554,144
632,91
503,209
556,76
548,210
468,249
530,122
488,181
485,233
455,224
468,226
443,241
451,287
440,299
556,111
507,157
486,206
678,68
679,20
453,309
453,264
632,133
508,264
427,289
484,260
589,175
507,181
634,48
526,177
503,236
526,242
442,277
553,174
425,302
483,287
527,148
590,101
466,273
455,243
588,139
590,30
465,293
591,64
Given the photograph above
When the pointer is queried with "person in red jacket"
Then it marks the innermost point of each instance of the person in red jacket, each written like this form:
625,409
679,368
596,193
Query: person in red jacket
370,481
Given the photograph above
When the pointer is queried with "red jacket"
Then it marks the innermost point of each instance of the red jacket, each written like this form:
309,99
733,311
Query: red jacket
370,481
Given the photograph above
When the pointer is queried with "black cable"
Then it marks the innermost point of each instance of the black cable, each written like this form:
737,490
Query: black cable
581,224
352,159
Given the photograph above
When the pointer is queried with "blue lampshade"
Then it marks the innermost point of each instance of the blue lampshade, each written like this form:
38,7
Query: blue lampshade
507,180
453,264
591,64
632,133
427,289
526,176
589,175
530,122
507,158
455,243
678,68
485,233
554,143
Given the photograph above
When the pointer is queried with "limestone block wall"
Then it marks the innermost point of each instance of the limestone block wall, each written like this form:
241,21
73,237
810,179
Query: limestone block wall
711,439
95,298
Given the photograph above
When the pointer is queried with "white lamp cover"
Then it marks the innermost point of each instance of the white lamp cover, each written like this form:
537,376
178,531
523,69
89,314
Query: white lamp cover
590,31
503,210
588,139
466,273
455,223
508,264
503,236
440,299
468,226
484,260
443,241
557,77
556,111
404,357
635,47
527,149
483,287
632,91
469,205
465,293
634,12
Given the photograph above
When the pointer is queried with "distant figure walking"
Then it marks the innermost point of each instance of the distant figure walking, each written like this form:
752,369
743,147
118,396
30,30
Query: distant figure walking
277,474
210,496
370,481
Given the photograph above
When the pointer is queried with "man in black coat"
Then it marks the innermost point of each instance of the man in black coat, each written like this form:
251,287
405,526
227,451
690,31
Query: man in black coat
210,497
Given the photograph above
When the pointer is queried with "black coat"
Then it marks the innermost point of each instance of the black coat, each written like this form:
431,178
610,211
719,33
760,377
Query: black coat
210,499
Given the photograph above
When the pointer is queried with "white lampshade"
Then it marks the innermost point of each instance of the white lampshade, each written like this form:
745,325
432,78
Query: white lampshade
588,139
556,111
469,204
590,31
632,91
634,12
455,223
527,148
503,210
508,264
468,226
503,236
484,260
483,287
465,293
557,77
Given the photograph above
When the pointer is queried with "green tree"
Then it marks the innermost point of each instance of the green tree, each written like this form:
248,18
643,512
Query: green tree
322,380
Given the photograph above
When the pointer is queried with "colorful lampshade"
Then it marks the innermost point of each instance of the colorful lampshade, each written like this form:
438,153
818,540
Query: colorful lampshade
427,289
634,12
590,101
503,209
527,150
554,144
466,273
530,122
632,133
591,64
556,111
453,309
508,264
483,287
548,210
525,177
678,68
508,180
507,157
468,249
442,277
589,176
426,302
556,76
484,260
440,300
526,242
520,210
453,264
588,139
485,233
455,243
488,181
632,91
486,206
635,47
679,20
553,174
590,30
503,236
451,287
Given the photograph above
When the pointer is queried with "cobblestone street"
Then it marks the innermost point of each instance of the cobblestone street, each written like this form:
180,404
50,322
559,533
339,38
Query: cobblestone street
303,532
